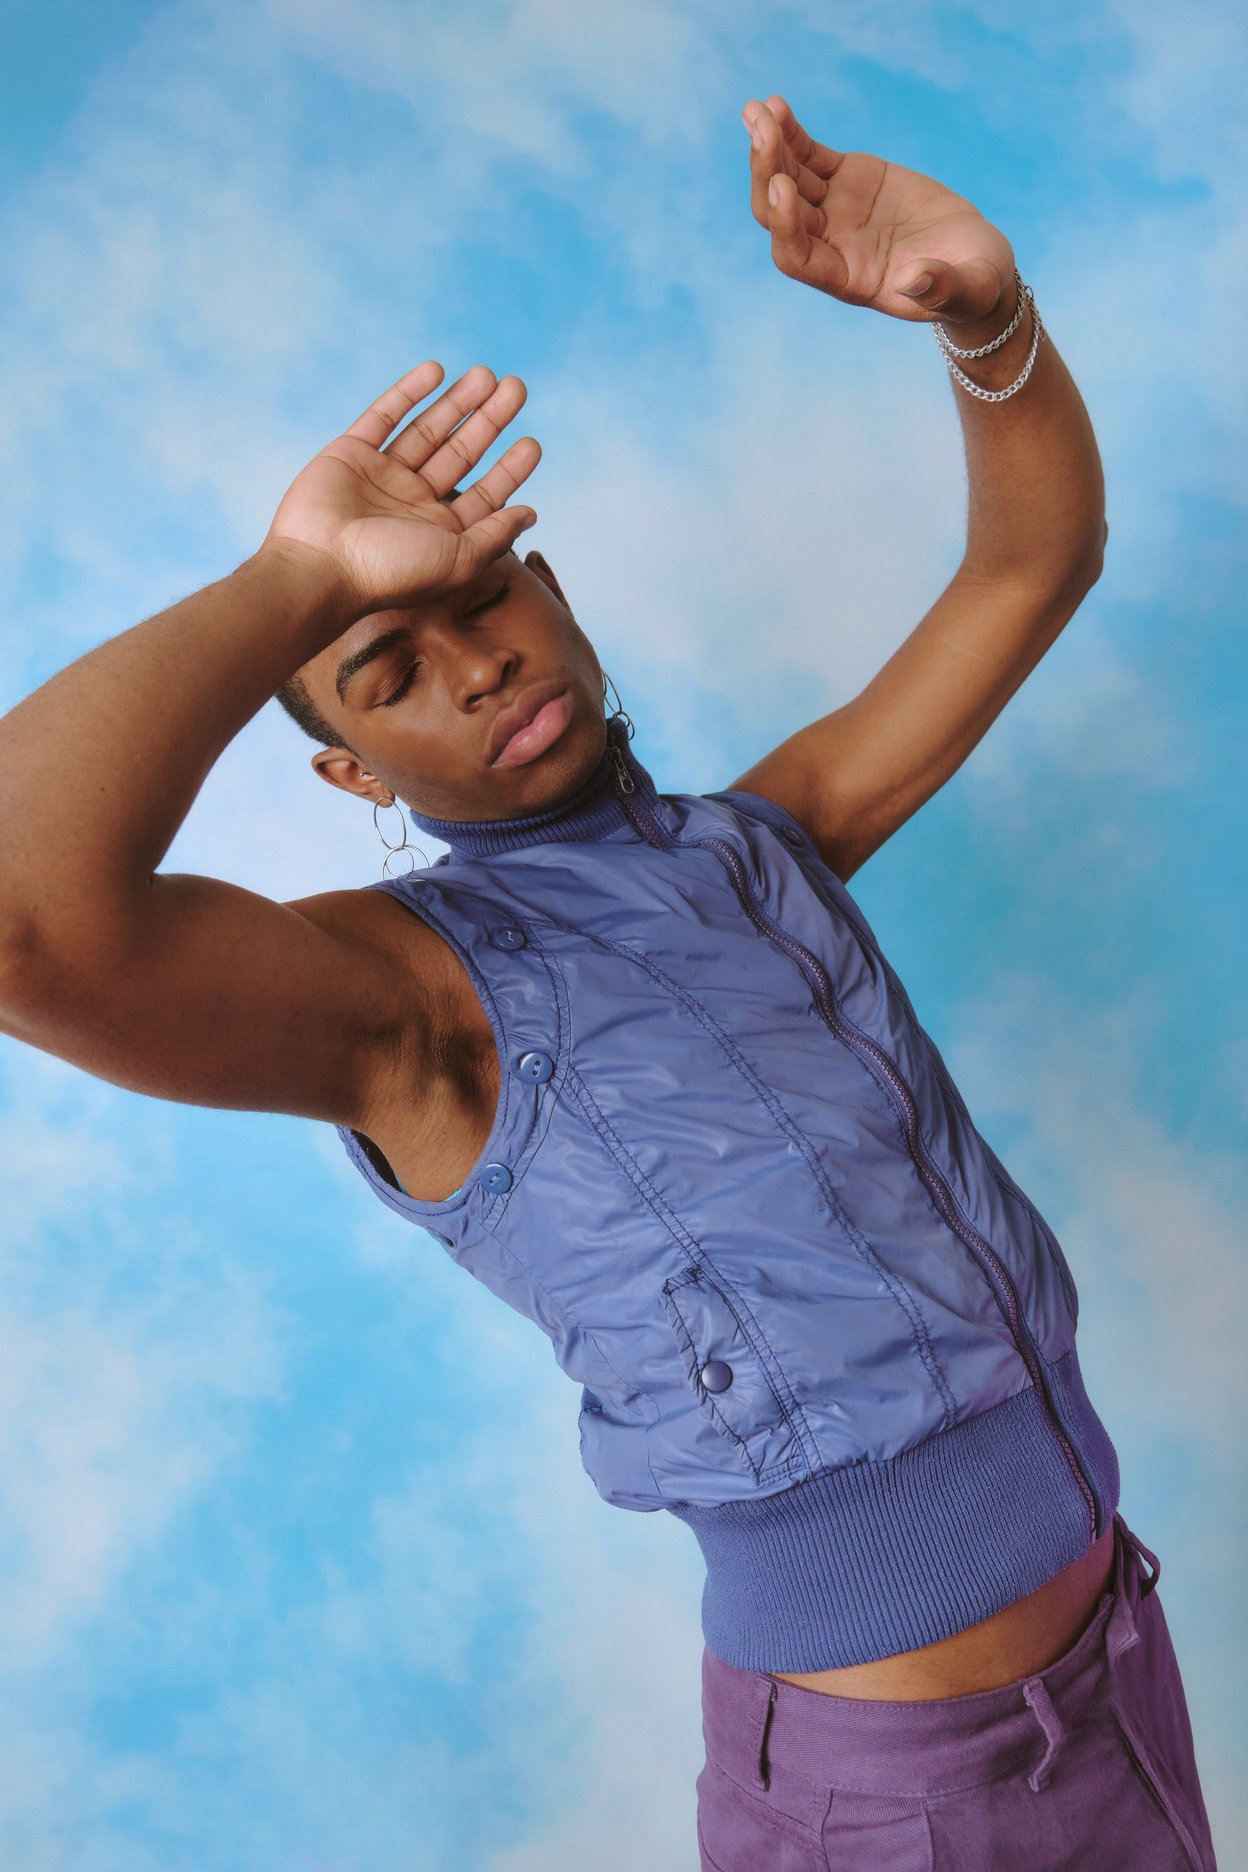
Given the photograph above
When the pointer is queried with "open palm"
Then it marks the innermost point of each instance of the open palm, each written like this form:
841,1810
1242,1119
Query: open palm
862,229
378,514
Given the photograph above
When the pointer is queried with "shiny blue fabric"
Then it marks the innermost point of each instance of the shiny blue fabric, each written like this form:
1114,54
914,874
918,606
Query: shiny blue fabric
724,1139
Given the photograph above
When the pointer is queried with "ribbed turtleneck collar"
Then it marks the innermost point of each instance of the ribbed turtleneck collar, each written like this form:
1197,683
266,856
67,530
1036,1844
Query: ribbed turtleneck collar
591,813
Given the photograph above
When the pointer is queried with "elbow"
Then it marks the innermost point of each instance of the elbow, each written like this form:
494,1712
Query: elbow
1085,564
1094,560
1097,562
19,966
35,980
1083,571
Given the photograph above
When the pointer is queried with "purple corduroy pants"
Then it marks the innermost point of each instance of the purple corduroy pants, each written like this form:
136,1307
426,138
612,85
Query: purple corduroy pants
1087,1766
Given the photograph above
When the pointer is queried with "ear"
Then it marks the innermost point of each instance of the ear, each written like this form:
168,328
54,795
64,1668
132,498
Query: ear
341,768
537,565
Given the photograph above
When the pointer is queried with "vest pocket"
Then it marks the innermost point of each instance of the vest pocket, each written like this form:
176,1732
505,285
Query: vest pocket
727,1376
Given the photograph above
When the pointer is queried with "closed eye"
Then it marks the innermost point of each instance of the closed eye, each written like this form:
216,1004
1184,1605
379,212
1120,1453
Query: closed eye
405,683
499,594
397,695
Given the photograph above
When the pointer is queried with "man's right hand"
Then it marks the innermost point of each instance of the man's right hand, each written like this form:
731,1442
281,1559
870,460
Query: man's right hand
373,518
188,987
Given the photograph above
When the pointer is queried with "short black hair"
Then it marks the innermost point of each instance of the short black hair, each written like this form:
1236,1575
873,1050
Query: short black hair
298,704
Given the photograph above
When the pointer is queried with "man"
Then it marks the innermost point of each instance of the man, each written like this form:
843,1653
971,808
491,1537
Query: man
949,1535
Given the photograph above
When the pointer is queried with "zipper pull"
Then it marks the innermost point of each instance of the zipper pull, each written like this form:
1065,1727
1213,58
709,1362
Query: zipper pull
623,779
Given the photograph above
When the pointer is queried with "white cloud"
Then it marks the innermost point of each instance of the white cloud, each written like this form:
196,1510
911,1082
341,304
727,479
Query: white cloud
747,523
124,1342
603,1676
341,1732
1151,1226
58,1155
534,69
1150,1221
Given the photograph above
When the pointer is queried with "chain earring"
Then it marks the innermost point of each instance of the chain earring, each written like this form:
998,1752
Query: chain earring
619,706
392,851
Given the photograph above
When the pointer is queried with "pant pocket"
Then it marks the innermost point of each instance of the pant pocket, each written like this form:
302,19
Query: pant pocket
1150,1709
739,1832
1188,1855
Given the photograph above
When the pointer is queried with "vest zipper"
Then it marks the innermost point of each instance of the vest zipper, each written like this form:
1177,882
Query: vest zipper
1003,1287
623,779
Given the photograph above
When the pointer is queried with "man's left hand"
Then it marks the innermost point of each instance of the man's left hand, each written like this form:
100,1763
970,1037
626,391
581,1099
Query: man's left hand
863,229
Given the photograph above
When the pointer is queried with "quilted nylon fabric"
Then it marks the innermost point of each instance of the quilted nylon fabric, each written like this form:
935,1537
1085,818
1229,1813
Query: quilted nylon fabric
731,1179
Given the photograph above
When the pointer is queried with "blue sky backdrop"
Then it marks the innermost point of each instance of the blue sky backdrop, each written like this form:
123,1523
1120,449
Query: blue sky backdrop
300,1568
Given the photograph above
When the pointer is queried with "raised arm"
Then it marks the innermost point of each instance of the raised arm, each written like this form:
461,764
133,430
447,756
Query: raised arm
187,987
870,232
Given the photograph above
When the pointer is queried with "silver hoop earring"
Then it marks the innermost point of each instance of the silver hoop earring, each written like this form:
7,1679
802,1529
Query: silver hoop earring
619,706
392,851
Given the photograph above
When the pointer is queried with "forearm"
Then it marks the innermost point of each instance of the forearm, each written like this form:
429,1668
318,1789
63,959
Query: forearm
101,764
1036,488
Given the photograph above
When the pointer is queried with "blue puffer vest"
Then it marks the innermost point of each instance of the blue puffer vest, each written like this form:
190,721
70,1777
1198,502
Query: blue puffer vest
730,1177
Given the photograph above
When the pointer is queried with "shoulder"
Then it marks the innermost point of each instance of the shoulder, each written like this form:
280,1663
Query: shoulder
782,779
369,918
391,932
408,963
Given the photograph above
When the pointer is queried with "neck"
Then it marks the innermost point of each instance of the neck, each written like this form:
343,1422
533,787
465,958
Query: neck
590,813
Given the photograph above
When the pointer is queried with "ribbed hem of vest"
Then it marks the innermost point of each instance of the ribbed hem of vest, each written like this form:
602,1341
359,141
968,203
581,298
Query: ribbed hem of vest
876,1558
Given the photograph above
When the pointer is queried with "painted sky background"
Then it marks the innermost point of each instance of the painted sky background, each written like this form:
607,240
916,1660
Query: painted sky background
300,1568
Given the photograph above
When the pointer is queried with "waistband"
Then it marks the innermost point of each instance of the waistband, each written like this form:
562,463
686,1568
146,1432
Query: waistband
762,1731
876,1558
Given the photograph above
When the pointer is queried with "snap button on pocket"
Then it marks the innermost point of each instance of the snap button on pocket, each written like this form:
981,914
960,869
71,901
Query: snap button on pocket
727,1376
536,1067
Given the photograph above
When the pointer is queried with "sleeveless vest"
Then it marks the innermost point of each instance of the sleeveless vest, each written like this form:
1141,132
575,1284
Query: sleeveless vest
731,1179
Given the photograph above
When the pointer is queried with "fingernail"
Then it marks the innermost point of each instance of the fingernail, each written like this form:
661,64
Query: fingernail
773,192
917,286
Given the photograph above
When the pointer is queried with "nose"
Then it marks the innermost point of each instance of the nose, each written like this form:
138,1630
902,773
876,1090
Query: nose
473,669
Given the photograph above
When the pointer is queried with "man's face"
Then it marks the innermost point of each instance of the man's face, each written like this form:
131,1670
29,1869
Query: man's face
417,693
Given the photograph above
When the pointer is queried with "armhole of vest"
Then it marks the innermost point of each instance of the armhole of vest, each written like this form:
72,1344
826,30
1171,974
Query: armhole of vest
769,812
377,1158
361,1150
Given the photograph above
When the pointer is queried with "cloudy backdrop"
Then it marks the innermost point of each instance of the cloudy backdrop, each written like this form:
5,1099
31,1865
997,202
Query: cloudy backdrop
300,1568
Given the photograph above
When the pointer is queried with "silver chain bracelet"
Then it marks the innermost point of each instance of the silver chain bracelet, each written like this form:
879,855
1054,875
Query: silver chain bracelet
952,351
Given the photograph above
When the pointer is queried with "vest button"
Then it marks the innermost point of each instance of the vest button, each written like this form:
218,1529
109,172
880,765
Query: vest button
508,938
536,1067
495,1177
791,833
716,1376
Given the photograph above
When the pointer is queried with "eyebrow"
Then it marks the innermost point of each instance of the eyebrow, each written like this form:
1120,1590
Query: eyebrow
385,640
375,647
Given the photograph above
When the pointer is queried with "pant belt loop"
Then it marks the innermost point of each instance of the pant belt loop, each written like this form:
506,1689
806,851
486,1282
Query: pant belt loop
1148,1555
764,1702
1121,1632
1042,1708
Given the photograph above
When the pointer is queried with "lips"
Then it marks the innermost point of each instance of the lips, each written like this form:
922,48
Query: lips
520,713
